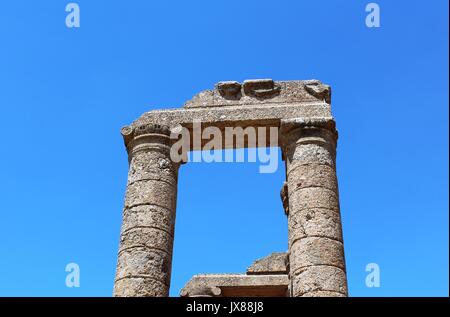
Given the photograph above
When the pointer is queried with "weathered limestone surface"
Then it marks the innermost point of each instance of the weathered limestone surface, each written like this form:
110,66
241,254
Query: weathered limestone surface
316,252
146,240
300,111
236,285
255,103
265,277
275,263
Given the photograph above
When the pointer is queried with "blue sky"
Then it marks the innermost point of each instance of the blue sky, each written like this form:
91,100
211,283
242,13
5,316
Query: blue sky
65,94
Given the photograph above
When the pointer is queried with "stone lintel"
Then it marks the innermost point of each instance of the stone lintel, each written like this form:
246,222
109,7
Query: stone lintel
236,285
255,103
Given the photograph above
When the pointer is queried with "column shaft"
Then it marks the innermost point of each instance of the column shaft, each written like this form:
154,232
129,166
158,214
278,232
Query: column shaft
146,239
316,252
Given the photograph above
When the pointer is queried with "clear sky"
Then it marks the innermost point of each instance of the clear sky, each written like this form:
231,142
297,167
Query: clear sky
65,94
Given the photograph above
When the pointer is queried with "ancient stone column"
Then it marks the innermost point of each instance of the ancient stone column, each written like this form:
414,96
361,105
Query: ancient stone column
316,252
146,239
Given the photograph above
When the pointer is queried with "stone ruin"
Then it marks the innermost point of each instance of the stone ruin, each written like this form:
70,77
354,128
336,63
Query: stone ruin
301,111
266,277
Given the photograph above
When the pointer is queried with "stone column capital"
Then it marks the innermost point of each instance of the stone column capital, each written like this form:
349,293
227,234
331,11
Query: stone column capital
299,125
145,136
314,130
